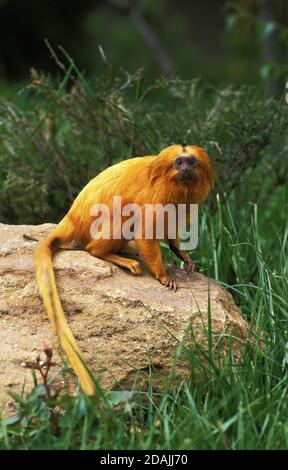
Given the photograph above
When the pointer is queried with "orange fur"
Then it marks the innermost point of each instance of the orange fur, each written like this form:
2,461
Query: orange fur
141,180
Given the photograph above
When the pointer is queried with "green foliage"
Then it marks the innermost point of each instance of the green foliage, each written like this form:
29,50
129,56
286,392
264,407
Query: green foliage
69,130
250,30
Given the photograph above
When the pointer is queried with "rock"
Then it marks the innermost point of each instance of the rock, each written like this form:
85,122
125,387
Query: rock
123,323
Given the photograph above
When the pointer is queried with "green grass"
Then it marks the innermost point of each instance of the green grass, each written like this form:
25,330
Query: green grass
235,406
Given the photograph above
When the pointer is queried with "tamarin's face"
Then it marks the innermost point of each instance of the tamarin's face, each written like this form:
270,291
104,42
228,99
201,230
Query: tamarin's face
188,165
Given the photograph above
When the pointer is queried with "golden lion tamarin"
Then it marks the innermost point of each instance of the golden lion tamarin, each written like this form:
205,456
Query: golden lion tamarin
177,175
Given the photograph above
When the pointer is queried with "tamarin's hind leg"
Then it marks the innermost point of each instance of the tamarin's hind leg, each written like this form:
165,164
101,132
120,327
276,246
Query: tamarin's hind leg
103,251
151,253
130,264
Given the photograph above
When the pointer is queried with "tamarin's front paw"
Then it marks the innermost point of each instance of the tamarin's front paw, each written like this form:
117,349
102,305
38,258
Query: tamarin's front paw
189,265
167,282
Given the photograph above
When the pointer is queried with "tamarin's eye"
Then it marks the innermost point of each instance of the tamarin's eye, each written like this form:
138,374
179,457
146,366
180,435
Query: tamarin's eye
192,162
179,161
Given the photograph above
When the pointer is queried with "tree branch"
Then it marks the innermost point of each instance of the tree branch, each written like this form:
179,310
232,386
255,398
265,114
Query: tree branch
147,33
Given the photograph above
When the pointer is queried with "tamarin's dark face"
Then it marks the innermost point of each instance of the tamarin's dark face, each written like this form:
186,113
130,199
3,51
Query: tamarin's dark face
188,165
185,166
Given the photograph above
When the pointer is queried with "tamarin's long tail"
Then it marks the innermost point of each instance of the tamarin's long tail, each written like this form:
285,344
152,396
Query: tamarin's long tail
47,287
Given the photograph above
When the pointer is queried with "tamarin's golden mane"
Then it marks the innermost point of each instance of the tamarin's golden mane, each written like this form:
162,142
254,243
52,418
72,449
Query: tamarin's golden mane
194,191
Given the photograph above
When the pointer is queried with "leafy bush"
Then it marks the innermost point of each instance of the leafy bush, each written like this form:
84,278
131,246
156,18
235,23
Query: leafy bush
71,129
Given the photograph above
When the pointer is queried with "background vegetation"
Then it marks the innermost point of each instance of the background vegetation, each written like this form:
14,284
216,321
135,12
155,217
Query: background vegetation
60,127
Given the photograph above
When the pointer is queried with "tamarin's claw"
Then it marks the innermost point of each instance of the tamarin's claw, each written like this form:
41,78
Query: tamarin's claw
171,285
167,282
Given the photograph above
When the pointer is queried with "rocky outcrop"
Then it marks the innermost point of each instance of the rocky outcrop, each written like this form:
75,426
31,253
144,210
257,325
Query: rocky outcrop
125,325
